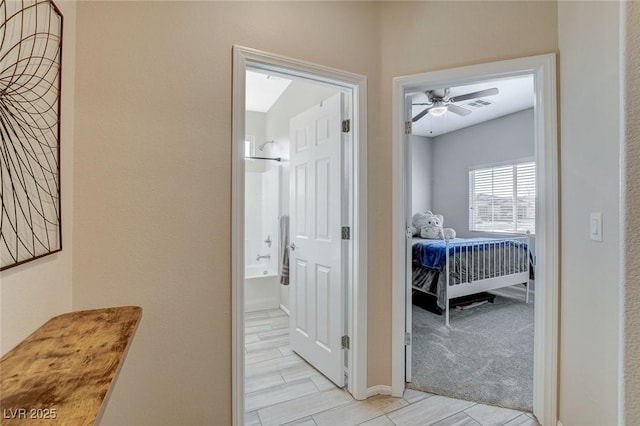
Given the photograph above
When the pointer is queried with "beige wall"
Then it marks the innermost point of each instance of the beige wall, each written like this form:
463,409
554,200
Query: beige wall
32,293
153,180
153,164
632,224
589,154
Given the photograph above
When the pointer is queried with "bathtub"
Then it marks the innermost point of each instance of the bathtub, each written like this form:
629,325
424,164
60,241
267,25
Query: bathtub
261,288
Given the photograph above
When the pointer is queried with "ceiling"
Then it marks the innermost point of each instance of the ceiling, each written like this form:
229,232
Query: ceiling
263,90
515,94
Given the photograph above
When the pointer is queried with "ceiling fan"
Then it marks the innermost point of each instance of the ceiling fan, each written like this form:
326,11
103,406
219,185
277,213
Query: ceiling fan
440,102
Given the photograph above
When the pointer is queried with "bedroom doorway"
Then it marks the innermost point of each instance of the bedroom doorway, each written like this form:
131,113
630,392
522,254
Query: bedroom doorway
298,251
433,103
472,173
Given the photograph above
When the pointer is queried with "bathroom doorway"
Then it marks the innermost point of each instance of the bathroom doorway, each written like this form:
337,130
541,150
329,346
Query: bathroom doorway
299,197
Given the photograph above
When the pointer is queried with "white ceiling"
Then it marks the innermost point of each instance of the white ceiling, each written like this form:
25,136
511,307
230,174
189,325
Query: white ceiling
515,94
263,90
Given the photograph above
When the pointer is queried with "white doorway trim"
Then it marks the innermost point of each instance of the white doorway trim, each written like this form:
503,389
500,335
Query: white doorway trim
543,69
244,57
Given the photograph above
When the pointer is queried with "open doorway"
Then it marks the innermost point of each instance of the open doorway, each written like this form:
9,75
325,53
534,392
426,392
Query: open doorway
299,270
472,175
464,266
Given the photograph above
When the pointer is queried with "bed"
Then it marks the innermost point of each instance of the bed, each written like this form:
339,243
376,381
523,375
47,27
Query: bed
473,265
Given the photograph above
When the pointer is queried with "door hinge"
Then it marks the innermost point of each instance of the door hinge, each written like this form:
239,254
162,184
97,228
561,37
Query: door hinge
409,232
346,126
345,342
407,339
407,127
346,233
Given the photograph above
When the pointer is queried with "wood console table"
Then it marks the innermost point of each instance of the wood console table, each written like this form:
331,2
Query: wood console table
61,374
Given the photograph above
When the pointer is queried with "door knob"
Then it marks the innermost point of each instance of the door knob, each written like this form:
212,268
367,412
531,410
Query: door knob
292,246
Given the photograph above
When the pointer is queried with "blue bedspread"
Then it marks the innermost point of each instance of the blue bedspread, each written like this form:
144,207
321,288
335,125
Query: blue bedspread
431,253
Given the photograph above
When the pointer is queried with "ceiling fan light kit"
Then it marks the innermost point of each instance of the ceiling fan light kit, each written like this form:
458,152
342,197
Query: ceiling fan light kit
439,104
437,111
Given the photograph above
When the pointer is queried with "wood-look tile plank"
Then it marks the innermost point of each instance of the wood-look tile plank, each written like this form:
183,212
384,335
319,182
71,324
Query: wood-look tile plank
262,381
277,333
522,420
272,365
429,410
308,421
267,354
279,323
267,344
322,383
488,415
251,338
257,329
459,419
303,407
277,313
285,350
411,395
378,421
359,411
298,371
256,315
257,322
252,419
279,394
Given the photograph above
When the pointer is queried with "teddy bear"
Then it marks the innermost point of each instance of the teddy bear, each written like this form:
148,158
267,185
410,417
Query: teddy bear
429,225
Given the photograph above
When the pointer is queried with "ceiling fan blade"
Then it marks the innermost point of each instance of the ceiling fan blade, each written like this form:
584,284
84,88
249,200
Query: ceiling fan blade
458,110
474,95
420,115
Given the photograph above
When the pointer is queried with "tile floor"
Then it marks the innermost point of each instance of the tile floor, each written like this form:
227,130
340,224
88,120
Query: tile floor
282,389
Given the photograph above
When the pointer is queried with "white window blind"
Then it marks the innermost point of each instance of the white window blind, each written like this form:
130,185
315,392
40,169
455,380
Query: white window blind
503,198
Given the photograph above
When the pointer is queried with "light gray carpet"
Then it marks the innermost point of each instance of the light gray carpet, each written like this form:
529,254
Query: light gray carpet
486,356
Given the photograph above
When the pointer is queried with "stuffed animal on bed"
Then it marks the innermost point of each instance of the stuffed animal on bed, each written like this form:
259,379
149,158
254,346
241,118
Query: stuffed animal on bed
429,225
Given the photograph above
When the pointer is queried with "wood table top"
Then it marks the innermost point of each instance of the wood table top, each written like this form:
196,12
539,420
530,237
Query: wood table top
61,374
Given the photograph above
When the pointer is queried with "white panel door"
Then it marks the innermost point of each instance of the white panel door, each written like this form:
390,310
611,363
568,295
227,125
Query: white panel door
315,251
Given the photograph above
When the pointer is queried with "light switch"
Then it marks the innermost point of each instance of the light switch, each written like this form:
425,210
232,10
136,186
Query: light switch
595,227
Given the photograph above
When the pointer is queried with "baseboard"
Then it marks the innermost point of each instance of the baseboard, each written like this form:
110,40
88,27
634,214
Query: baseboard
378,390
284,308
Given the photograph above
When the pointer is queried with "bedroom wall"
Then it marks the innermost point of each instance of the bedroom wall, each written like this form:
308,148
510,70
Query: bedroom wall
508,138
589,176
153,180
298,97
33,293
421,173
631,317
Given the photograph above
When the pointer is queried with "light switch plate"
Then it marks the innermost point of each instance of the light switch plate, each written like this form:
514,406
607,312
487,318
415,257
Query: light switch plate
595,226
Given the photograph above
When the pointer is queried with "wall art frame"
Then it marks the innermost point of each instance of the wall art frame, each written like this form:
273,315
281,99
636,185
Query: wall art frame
30,93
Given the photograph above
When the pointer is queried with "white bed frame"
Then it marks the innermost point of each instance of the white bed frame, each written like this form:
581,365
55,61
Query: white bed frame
496,276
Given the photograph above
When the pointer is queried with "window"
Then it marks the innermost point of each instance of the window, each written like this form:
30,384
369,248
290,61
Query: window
503,198
249,145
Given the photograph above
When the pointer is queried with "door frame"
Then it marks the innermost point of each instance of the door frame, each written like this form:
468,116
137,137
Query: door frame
244,57
543,70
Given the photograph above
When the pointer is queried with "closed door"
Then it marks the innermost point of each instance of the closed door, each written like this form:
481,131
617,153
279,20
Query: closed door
315,251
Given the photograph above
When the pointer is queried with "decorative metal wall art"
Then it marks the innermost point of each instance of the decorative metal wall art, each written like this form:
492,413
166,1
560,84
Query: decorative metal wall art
30,71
